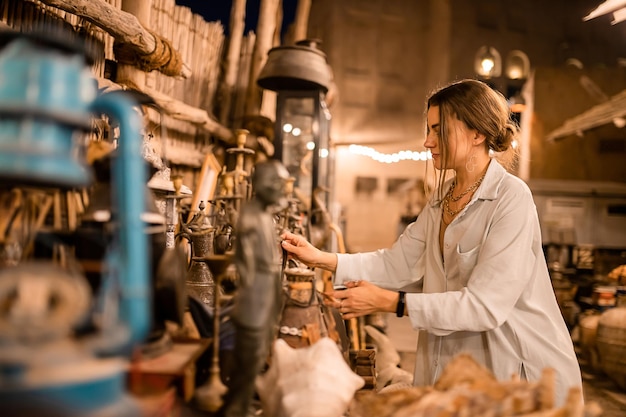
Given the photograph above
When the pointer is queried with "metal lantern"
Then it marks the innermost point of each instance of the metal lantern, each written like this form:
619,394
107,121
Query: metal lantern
301,77
46,98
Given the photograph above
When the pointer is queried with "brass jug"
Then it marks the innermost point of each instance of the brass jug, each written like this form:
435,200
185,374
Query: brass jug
199,280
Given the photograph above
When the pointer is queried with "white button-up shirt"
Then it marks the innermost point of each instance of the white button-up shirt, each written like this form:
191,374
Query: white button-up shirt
488,294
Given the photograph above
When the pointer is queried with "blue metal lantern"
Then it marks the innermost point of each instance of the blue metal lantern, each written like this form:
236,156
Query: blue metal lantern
46,95
47,100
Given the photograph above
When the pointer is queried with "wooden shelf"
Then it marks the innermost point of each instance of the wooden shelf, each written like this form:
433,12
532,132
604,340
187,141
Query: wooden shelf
176,367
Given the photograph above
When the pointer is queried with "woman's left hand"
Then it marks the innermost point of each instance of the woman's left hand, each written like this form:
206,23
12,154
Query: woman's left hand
361,298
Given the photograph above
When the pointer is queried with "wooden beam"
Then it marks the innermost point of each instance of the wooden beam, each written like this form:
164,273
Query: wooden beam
186,156
180,111
598,115
122,26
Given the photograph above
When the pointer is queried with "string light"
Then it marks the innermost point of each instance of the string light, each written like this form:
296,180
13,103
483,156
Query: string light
389,158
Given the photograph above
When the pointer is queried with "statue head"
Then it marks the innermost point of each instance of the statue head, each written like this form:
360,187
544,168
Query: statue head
268,181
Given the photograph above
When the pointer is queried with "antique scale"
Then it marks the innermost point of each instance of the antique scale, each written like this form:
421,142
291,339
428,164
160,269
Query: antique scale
47,100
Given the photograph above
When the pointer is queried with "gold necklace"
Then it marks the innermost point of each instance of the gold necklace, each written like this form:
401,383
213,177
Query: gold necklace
471,188
452,213
449,197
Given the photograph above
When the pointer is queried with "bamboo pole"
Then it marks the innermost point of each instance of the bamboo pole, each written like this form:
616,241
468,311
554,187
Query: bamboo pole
159,25
243,72
265,35
231,63
214,52
128,74
195,43
123,25
184,38
168,33
153,79
203,41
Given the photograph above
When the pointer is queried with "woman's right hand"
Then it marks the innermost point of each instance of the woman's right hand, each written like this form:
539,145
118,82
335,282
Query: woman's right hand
361,298
300,249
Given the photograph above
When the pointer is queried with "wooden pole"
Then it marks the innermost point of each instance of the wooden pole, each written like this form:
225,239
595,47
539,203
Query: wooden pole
243,78
264,38
268,97
231,64
301,22
124,25
278,24
128,74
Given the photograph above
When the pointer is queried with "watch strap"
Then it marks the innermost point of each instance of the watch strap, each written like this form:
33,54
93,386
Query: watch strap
401,304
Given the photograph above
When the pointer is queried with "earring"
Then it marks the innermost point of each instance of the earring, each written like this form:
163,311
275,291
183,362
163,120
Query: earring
470,165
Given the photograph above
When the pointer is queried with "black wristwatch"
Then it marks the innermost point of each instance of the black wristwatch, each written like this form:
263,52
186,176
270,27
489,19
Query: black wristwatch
401,304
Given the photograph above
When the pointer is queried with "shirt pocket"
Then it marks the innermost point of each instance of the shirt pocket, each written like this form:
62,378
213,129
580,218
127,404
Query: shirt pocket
464,264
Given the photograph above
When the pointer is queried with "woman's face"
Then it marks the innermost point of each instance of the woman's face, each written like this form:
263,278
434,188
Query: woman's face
459,140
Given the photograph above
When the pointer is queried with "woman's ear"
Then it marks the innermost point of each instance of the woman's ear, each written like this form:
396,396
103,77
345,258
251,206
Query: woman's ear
479,138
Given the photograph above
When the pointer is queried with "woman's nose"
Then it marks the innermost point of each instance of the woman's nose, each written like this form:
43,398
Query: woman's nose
430,142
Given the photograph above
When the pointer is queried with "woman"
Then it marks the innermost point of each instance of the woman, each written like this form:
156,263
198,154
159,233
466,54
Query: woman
475,250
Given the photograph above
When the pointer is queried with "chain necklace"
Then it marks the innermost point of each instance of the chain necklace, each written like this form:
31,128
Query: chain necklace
452,213
449,197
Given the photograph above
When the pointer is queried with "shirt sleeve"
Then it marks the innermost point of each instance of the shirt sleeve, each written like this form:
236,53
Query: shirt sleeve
392,268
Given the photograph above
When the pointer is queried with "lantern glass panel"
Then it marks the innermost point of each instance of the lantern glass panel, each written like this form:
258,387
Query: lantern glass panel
302,139
298,140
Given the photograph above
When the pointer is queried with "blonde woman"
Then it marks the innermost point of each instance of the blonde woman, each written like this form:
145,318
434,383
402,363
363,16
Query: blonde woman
475,252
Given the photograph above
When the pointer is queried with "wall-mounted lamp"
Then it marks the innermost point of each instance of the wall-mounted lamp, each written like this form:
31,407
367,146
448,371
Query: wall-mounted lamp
517,65
488,62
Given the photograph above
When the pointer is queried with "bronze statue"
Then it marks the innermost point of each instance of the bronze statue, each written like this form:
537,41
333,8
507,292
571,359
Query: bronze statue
259,299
